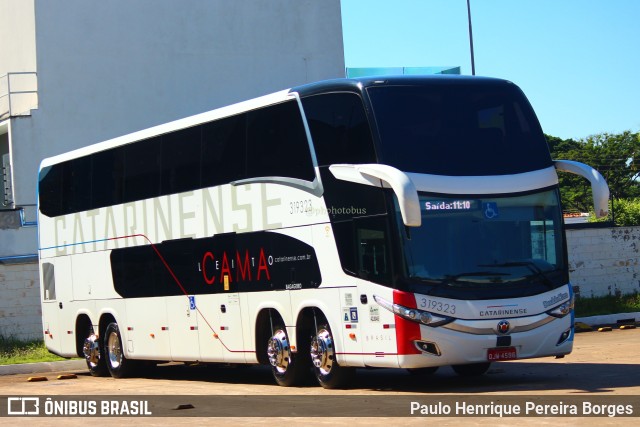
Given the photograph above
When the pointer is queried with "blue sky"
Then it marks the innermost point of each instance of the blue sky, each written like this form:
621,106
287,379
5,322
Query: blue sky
578,61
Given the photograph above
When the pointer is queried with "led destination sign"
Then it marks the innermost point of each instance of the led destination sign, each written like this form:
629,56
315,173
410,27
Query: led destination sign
451,205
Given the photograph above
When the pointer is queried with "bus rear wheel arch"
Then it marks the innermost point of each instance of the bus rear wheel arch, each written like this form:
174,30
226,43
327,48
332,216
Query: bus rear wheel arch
88,345
287,367
117,364
322,349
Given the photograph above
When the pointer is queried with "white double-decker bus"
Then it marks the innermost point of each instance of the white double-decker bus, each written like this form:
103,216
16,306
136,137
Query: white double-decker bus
396,222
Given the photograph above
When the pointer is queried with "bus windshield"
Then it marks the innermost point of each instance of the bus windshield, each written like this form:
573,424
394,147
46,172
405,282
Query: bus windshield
456,128
486,247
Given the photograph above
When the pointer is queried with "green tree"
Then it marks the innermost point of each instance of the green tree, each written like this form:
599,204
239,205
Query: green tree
615,156
574,190
627,213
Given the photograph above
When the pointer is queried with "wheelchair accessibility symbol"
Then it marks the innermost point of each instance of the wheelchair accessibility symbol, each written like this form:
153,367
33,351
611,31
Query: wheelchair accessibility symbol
490,210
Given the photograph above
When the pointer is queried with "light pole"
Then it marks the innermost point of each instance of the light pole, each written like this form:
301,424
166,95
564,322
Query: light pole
473,63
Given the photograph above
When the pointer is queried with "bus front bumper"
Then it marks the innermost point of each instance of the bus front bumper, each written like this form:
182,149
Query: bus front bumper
479,341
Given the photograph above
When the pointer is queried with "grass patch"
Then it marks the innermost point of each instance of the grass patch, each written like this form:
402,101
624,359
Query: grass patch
611,304
14,351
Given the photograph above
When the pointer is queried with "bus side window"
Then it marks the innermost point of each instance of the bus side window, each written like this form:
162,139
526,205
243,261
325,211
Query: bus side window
277,143
51,190
107,178
181,160
224,150
339,128
373,249
343,233
77,184
49,278
363,248
142,170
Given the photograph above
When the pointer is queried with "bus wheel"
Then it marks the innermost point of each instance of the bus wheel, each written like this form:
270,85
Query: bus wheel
284,365
93,355
119,366
472,369
328,372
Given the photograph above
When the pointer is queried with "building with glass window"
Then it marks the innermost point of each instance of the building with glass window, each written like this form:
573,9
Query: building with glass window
398,71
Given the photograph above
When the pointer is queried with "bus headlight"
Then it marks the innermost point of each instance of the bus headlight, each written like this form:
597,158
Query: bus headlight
414,314
562,310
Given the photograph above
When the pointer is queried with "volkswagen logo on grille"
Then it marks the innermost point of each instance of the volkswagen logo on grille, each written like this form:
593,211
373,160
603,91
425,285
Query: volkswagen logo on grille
503,327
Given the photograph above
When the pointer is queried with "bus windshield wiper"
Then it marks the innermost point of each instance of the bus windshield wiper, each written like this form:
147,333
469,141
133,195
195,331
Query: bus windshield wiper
455,278
537,271
425,280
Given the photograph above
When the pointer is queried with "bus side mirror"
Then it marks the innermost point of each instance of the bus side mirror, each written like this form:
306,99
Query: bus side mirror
599,187
398,181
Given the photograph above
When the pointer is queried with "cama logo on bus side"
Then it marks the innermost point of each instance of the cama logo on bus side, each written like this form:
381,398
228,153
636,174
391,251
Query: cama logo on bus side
245,265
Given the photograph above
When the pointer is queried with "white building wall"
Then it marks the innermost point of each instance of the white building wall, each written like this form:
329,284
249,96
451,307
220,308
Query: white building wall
20,314
109,68
17,36
17,55
604,261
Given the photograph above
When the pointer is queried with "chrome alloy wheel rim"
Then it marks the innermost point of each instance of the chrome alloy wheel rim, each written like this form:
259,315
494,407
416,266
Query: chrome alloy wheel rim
322,352
278,351
115,350
91,350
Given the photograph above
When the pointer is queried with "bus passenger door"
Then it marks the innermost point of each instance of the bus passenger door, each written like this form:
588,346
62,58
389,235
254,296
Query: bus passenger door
378,328
377,331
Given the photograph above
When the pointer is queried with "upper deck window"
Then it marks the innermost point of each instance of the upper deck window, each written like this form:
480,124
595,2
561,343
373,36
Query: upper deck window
265,142
339,128
458,129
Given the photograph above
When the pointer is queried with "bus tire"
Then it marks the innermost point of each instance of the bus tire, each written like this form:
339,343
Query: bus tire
94,355
117,364
472,369
328,372
288,370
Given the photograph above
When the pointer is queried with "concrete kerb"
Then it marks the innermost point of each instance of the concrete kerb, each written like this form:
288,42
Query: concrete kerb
611,319
41,367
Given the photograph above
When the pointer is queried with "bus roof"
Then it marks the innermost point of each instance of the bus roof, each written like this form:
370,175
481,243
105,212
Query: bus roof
186,122
333,85
358,84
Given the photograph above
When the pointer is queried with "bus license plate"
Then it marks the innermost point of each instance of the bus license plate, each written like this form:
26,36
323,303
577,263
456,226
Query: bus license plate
502,353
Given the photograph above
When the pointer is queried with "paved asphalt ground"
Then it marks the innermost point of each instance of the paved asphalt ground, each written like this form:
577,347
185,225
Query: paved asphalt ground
602,364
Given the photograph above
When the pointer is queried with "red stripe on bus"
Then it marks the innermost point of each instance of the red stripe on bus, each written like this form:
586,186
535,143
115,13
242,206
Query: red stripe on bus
406,331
